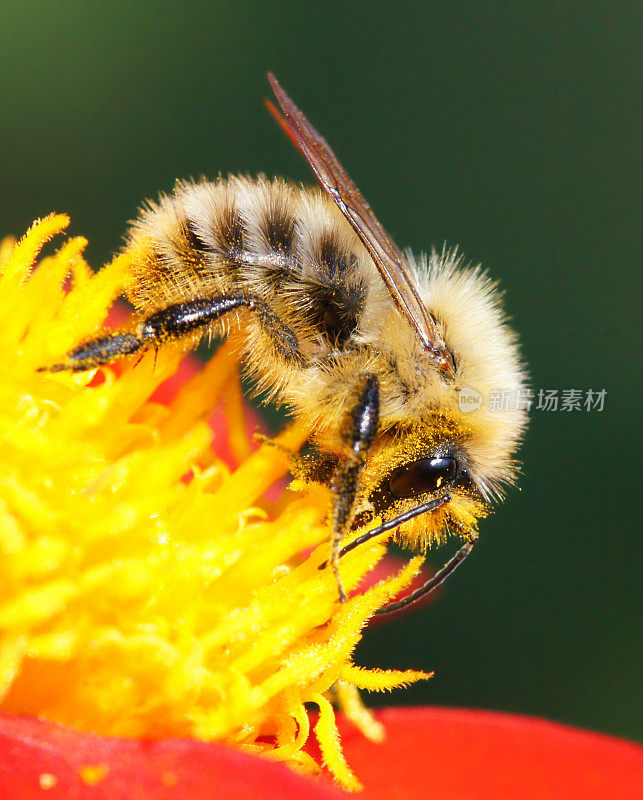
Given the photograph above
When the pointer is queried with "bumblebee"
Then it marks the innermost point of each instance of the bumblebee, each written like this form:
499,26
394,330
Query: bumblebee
374,349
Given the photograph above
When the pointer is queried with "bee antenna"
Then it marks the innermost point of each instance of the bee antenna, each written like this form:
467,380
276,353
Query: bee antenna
433,582
433,505
436,580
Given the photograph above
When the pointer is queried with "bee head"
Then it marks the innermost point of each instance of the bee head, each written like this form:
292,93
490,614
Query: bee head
414,466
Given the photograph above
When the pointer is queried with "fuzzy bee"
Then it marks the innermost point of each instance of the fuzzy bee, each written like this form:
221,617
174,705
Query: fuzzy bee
372,348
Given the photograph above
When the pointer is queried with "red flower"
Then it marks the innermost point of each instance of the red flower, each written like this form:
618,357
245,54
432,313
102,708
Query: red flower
447,754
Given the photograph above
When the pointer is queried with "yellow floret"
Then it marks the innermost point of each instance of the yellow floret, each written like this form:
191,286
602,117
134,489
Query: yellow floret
144,589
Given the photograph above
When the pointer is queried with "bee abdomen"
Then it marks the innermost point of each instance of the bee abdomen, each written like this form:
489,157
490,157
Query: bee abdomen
288,245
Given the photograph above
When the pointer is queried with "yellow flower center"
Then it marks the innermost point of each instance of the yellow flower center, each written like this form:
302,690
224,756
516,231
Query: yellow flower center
145,588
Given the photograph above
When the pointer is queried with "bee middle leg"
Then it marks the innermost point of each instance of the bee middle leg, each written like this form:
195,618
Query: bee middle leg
359,434
172,324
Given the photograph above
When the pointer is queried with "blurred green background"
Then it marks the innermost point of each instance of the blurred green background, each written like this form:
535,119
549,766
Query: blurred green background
508,129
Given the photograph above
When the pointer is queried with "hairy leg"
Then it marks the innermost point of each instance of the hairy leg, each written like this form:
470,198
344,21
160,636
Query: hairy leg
359,434
174,323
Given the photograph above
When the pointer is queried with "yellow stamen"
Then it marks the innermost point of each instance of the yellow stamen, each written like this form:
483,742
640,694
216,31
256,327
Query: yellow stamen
145,589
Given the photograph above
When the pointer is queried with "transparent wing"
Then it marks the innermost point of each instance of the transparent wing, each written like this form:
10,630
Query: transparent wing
383,250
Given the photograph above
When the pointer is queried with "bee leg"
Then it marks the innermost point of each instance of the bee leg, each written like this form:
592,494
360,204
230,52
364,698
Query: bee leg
269,441
96,352
194,316
358,436
174,323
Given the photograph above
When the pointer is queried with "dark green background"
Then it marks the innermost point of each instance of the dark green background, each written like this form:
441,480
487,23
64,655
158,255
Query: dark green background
506,128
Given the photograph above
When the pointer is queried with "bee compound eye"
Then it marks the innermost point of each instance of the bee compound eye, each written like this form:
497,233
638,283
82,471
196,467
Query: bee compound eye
422,477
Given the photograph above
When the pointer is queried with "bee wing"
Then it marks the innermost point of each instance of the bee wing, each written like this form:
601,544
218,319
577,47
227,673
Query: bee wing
383,250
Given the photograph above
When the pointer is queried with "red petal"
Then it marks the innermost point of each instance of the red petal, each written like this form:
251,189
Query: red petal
446,754
456,754
42,760
165,393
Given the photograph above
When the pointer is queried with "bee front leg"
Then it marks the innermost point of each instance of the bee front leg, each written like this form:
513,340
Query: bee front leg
359,434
